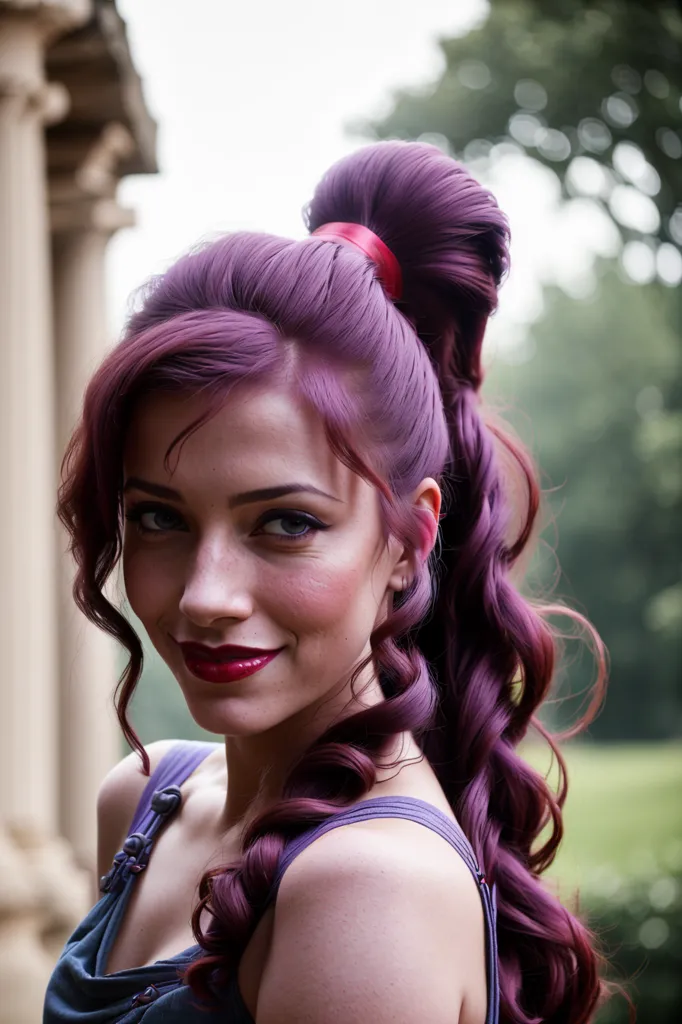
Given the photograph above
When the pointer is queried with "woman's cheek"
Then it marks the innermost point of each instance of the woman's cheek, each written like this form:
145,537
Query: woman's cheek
323,595
148,580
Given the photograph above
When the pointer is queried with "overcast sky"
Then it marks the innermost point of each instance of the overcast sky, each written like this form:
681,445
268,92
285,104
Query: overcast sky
253,103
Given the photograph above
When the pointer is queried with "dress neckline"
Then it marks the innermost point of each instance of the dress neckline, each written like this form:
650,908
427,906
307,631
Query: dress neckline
169,801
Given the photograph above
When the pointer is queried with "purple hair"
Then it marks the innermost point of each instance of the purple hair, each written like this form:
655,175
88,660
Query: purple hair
396,386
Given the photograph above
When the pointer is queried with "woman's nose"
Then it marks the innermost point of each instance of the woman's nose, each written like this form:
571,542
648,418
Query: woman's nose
218,587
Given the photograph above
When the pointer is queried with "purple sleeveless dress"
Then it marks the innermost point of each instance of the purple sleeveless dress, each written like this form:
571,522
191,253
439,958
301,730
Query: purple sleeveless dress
80,990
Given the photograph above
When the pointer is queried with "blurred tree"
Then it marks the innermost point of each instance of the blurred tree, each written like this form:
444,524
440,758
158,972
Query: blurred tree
640,924
601,389
591,88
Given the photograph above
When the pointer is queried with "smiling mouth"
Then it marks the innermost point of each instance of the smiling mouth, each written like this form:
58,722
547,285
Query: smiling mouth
224,653
226,670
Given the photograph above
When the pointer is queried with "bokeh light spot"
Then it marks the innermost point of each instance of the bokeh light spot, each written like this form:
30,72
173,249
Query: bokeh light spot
554,145
530,95
633,209
669,142
594,135
639,262
620,109
526,129
589,177
629,160
654,933
626,79
474,74
656,83
669,264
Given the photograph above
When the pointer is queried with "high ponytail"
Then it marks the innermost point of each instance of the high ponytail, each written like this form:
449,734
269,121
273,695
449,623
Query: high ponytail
483,636
464,661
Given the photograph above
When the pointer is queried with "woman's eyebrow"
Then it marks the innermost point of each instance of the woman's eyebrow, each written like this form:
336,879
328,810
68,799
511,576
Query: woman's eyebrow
267,493
262,494
136,483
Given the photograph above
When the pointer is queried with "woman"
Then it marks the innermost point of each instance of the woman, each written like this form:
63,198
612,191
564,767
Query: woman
287,450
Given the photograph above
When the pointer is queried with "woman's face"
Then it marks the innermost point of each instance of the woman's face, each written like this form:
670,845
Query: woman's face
215,564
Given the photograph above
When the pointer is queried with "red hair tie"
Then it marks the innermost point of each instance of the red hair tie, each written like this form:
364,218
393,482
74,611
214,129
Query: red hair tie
388,268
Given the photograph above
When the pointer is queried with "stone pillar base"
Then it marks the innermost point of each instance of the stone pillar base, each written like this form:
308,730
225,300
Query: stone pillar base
43,896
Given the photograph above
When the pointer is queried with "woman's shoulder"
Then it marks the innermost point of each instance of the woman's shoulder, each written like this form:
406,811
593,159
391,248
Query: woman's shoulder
413,902
396,845
118,797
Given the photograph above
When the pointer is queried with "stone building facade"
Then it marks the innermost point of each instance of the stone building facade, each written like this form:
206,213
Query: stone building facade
73,122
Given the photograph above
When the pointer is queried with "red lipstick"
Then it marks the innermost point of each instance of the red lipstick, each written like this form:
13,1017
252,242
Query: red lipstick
225,664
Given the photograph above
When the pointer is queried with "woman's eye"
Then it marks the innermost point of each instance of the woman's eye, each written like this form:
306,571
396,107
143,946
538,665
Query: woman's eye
152,518
296,525
157,519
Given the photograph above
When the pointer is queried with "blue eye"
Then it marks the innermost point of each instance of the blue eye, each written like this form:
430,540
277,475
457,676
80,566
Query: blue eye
298,519
136,514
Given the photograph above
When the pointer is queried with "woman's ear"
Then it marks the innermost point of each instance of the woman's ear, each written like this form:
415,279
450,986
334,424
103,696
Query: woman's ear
427,497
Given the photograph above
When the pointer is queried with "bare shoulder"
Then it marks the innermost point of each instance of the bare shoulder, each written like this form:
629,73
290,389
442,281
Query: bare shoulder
119,794
376,923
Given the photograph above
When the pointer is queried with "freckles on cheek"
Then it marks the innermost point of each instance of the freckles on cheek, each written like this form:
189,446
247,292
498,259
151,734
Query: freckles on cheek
323,596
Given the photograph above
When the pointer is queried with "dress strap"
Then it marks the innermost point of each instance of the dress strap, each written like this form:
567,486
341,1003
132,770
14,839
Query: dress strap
424,813
176,765
159,802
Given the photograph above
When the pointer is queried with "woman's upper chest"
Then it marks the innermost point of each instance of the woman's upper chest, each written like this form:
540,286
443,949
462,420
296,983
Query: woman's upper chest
156,923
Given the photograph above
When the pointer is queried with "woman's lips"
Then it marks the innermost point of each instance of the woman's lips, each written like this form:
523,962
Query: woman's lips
206,653
215,665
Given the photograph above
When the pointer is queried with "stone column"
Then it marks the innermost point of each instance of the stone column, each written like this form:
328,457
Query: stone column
89,736
28,673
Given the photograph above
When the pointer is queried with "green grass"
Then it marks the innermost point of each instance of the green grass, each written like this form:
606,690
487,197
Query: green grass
623,814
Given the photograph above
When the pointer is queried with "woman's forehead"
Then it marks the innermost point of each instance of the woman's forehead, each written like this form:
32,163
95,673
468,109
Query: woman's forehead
244,415
260,434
